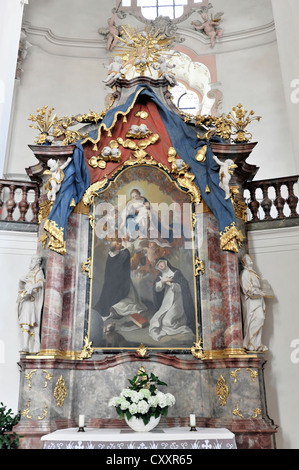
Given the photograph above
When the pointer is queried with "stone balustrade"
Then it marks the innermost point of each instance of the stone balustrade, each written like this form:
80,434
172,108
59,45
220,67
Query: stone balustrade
267,200
272,199
19,201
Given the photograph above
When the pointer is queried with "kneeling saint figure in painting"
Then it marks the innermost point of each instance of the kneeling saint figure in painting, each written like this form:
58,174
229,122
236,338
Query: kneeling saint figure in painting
173,301
118,296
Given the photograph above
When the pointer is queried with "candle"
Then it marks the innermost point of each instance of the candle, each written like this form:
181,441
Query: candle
192,420
81,421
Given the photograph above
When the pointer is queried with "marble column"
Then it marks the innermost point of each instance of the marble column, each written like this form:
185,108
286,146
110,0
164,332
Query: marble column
231,302
53,303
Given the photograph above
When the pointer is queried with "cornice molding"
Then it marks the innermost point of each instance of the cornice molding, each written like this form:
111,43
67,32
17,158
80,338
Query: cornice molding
90,48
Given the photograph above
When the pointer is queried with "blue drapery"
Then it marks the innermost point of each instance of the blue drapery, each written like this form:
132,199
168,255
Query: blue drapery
76,181
185,141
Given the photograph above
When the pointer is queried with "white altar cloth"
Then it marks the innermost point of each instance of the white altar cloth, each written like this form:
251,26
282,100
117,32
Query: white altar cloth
160,438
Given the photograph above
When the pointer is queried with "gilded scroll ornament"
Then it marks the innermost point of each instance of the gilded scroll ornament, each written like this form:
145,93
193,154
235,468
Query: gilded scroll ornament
48,377
231,238
87,350
199,267
45,208
222,390
40,418
86,267
28,376
185,179
91,192
240,207
234,374
253,374
237,411
26,411
197,350
256,413
60,391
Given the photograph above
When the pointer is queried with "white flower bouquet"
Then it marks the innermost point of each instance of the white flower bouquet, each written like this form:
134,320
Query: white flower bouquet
142,399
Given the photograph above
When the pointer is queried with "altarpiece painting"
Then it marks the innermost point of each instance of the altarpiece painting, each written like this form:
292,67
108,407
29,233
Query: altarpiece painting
143,289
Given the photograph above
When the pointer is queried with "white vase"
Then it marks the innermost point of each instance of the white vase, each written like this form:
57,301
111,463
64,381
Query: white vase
138,425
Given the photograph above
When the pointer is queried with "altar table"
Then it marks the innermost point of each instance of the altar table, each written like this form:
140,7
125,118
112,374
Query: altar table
160,438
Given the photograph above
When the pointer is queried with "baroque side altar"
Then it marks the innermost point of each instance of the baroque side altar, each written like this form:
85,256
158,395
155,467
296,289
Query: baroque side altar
142,238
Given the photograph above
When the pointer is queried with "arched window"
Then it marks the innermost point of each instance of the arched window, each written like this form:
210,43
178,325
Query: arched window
185,99
151,9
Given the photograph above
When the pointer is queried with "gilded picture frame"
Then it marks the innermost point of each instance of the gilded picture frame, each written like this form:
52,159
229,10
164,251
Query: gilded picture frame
143,285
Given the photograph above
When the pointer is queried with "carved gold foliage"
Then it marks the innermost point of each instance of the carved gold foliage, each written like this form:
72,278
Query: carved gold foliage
256,413
197,350
253,374
28,376
91,192
26,411
142,350
222,390
87,350
40,418
45,208
48,377
60,391
240,207
86,267
234,374
199,266
237,411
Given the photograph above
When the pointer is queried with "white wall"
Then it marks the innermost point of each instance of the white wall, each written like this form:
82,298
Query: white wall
276,258
253,78
16,249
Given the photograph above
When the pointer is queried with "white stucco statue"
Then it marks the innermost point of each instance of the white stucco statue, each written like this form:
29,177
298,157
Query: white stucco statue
225,172
116,69
253,293
162,66
30,302
56,177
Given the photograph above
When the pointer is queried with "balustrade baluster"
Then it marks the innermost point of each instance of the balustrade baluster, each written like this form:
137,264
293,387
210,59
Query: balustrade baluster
292,200
279,201
11,204
266,202
35,205
254,204
23,204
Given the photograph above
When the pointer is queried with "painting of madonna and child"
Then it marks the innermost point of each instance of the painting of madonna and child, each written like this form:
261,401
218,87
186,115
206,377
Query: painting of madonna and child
143,288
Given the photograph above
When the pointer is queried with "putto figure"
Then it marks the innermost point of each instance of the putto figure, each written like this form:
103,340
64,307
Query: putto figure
225,173
55,171
163,67
210,26
116,70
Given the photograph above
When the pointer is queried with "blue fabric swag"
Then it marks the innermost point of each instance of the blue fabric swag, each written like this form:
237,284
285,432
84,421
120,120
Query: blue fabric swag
186,143
76,181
